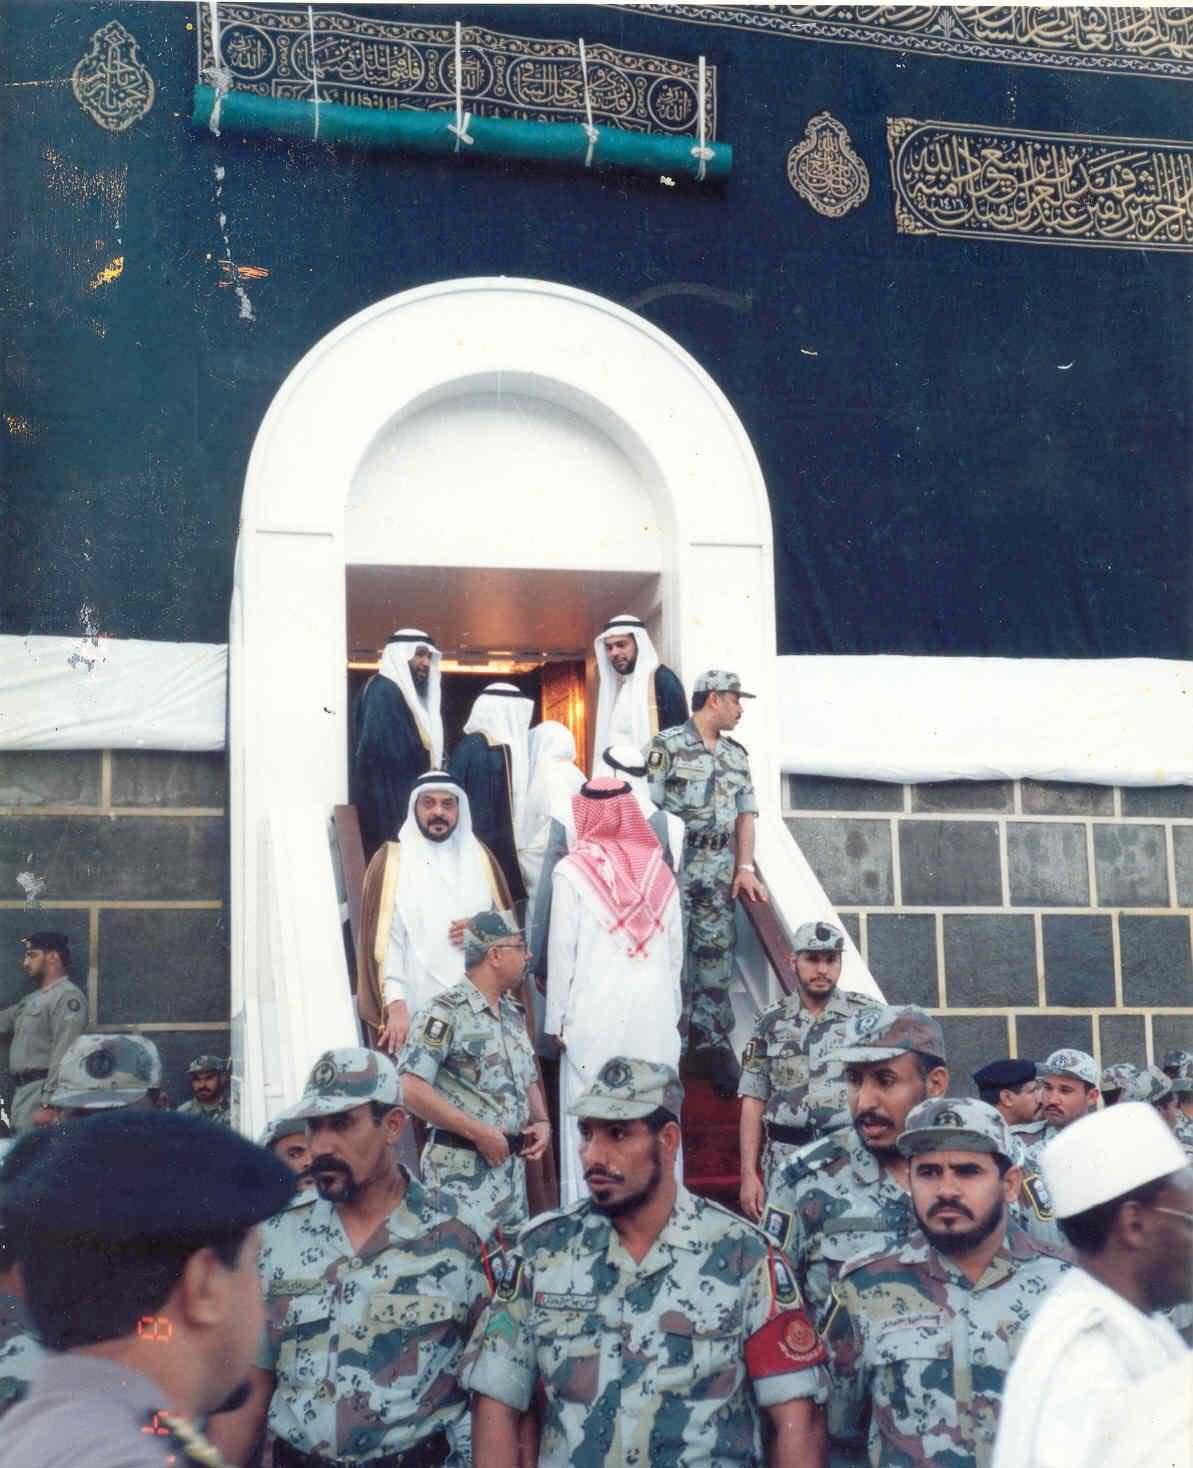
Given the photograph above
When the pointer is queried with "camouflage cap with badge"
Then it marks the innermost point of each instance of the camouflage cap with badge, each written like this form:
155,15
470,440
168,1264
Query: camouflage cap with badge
101,1072
885,1031
201,1063
818,938
484,931
627,1090
343,1079
716,680
1116,1077
1150,1084
1074,1063
1182,1081
955,1124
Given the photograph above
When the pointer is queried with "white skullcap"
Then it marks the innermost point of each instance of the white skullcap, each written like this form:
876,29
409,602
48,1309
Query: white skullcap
1107,1154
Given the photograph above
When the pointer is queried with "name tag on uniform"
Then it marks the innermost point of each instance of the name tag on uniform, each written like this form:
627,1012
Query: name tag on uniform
565,1302
296,1287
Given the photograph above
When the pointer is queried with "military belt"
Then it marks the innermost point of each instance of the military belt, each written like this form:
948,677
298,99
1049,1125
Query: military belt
429,1453
27,1077
440,1138
706,840
794,1136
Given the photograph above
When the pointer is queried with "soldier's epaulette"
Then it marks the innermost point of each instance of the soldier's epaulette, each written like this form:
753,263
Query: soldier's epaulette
737,744
818,1155
745,1225
776,1008
545,1220
855,996
455,996
889,1249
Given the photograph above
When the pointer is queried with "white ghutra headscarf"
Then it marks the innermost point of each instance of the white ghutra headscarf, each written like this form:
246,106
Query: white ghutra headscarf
502,713
395,665
639,692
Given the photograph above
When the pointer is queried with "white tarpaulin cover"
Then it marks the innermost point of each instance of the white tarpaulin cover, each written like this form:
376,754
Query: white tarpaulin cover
109,693
1122,721
1125,721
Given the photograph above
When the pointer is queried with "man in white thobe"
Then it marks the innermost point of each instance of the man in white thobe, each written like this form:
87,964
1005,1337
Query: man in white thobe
419,892
554,779
615,954
491,764
1123,1194
637,695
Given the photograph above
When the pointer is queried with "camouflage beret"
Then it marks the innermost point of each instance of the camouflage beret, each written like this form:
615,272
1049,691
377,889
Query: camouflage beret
818,938
343,1079
954,1123
884,1031
1116,1077
100,1072
1150,1084
627,1090
716,680
484,930
201,1063
1075,1063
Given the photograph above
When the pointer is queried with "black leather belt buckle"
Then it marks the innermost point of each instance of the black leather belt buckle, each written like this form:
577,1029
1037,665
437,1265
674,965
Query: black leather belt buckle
516,1140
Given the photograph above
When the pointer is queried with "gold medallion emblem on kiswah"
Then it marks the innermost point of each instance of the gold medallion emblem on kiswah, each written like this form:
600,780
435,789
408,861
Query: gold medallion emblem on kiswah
997,183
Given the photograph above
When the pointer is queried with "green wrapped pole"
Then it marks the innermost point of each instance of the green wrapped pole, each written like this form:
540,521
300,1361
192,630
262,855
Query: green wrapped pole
415,131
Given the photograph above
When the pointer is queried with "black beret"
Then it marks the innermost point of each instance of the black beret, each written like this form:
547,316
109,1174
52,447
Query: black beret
1005,1073
141,1175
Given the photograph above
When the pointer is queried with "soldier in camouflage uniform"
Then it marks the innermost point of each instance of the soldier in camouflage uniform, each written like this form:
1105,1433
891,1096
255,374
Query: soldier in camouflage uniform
468,1068
210,1095
790,1087
1068,1091
1114,1078
829,1201
1009,1086
923,1330
106,1072
1181,1075
19,1352
655,1323
371,1291
697,772
43,1026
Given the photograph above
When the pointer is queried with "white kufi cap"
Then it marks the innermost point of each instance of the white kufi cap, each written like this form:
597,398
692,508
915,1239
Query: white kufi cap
1107,1154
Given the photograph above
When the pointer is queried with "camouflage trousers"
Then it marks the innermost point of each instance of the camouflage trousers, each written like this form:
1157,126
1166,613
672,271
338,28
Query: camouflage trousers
496,1195
710,935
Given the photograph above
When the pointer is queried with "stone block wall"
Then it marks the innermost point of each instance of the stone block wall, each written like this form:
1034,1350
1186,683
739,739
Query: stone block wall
126,853
1028,915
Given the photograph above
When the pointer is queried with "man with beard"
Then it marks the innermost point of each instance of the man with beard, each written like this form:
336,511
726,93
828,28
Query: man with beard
370,1292
1010,1086
657,1326
468,1070
491,764
137,1240
1124,1194
43,1026
790,1086
286,1138
923,1331
697,772
637,695
397,734
419,892
829,1201
1068,1091
210,1077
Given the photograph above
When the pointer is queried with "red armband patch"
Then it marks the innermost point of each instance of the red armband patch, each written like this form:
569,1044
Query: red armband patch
788,1342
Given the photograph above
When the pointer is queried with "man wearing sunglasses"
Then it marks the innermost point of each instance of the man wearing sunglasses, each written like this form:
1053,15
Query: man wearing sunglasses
468,1070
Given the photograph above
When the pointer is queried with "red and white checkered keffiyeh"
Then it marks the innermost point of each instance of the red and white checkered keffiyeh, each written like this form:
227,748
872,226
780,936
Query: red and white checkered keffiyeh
621,862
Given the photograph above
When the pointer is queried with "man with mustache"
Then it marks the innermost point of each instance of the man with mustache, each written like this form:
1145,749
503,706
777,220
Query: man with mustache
923,1330
137,1235
829,1201
792,1089
397,734
637,695
287,1140
1068,1091
210,1076
370,1292
657,1327
419,892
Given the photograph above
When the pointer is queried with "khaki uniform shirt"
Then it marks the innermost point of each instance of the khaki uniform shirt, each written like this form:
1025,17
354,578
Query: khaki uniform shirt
662,1363
366,1345
927,1352
43,1025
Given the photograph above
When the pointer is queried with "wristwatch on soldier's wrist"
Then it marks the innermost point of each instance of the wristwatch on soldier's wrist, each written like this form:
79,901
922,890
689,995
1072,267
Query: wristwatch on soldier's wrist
744,866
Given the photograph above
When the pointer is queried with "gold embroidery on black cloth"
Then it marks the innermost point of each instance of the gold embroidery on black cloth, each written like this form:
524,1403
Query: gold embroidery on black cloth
392,64
1141,40
975,182
825,170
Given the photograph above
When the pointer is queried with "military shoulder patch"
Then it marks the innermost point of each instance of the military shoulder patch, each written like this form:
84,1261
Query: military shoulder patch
510,1276
753,1056
435,1032
776,1225
73,1006
657,760
783,1285
1036,1193
787,1342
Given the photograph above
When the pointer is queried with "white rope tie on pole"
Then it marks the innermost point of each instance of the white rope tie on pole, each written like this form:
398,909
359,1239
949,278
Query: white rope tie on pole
221,77
590,132
314,69
701,152
460,126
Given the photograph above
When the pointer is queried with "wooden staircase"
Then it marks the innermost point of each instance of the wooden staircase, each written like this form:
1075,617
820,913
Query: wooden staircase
712,1157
